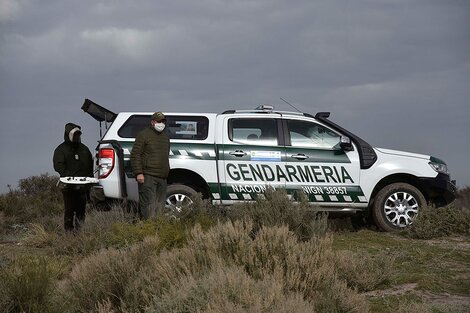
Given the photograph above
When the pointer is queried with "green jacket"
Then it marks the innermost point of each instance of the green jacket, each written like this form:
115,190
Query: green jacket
150,152
72,159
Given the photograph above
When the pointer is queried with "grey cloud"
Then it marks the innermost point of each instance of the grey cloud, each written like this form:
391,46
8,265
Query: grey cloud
396,72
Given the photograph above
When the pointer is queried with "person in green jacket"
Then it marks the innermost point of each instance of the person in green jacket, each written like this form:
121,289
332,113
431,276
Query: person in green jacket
150,165
73,158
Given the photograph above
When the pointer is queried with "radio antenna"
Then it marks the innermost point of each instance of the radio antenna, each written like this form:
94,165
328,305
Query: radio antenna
291,105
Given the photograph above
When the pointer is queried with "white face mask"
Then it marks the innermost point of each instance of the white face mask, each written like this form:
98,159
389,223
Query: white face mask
159,127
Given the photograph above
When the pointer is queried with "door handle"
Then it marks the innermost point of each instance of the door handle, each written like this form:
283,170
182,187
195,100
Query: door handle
238,153
299,156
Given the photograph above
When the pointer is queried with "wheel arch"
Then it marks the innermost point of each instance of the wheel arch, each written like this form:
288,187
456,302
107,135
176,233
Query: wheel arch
189,178
398,178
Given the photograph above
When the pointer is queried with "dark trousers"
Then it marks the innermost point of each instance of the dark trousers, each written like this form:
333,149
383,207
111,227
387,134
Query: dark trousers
74,209
152,196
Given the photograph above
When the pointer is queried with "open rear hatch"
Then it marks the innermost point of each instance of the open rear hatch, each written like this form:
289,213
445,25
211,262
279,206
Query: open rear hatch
98,112
104,115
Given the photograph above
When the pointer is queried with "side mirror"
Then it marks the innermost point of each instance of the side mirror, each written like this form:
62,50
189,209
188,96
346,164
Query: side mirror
346,144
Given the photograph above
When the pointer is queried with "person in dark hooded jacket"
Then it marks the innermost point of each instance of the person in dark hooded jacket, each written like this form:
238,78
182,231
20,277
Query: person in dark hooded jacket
72,158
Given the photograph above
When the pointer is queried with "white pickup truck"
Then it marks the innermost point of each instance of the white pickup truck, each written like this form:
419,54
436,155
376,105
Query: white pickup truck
235,155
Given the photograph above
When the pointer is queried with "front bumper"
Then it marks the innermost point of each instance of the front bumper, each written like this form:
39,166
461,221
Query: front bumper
439,190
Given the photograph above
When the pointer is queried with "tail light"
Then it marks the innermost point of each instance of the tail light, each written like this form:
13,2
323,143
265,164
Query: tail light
106,162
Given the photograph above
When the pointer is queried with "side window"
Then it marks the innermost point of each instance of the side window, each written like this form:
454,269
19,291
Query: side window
134,125
177,127
312,135
187,127
254,131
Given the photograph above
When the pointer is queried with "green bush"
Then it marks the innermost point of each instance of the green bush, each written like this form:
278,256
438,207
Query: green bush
26,284
114,228
35,198
275,208
171,232
434,222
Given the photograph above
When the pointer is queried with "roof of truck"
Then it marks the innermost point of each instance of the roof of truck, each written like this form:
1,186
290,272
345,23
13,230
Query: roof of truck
102,114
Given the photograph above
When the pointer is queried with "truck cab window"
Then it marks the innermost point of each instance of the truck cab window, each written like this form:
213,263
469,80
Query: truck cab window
312,135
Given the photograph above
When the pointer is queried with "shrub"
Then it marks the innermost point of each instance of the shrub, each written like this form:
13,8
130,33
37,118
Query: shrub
101,278
36,197
26,284
94,234
171,232
228,289
276,209
434,222
272,260
364,272
463,198
114,228
42,186
37,236
273,253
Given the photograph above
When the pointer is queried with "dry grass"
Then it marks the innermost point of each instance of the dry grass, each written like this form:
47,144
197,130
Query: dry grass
363,271
95,234
101,279
275,253
270,256
228,289
26,284
225,266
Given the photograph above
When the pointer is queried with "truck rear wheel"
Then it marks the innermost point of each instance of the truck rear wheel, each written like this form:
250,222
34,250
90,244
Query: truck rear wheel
396,206
177,196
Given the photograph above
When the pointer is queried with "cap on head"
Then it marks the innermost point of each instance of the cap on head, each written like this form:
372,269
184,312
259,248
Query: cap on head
158,116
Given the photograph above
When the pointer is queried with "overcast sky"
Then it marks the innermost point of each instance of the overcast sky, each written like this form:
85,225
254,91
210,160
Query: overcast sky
395,72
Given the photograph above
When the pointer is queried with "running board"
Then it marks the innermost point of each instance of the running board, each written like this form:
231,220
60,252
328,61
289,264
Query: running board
340,210
319,208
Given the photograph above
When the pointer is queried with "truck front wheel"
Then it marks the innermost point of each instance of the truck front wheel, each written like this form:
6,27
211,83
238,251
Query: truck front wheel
177,196
396,206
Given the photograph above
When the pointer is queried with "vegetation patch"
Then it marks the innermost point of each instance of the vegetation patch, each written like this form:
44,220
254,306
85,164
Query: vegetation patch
439,222
36,197
271,255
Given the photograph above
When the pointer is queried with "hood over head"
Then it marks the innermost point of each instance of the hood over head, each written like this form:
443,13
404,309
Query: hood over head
71,129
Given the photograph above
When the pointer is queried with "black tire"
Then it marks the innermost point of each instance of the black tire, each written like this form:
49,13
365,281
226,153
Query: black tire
396,206
177,196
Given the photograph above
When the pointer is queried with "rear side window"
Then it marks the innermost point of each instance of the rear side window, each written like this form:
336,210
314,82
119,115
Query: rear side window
177,126
253,131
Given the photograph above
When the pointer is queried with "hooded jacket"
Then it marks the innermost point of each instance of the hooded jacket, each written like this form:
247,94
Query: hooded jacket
72,158
150,152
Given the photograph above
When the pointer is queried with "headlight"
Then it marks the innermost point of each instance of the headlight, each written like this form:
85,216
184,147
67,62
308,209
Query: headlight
439,167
